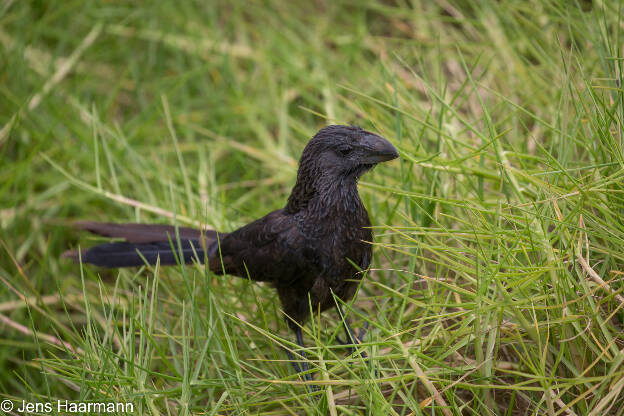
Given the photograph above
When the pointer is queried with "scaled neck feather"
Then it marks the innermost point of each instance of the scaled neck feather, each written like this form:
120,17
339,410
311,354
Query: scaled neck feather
323,194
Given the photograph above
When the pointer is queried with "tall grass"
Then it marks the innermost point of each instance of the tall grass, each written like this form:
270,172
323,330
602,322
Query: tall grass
496,287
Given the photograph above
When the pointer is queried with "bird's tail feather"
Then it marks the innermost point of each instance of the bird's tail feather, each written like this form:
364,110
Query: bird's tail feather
124,254
144,233
144,243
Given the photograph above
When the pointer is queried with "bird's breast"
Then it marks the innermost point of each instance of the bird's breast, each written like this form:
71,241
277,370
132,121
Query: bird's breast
338,246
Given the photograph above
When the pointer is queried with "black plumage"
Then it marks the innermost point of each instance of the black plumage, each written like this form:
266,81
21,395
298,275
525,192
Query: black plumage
306,250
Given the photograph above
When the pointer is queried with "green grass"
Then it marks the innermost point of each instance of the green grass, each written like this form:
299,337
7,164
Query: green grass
493,232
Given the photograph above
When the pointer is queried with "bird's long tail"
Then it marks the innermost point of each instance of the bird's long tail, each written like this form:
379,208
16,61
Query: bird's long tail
144,243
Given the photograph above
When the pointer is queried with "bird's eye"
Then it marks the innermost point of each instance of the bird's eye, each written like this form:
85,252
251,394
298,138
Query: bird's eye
344,151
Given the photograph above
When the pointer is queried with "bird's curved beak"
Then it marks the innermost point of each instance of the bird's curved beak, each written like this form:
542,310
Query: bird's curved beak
378,150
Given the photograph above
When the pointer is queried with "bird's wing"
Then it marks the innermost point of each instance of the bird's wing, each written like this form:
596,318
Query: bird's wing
261,249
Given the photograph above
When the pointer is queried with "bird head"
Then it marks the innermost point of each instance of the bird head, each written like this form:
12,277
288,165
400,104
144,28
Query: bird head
347,151
333,161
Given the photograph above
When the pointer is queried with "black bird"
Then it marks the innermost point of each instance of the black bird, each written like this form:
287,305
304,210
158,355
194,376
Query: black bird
306,250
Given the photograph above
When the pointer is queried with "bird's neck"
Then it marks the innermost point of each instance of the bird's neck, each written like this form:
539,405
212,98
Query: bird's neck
324,196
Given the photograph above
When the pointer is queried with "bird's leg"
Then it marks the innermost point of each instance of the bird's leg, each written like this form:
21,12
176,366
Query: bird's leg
351,337
295,364
303,370
304,364
357,339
